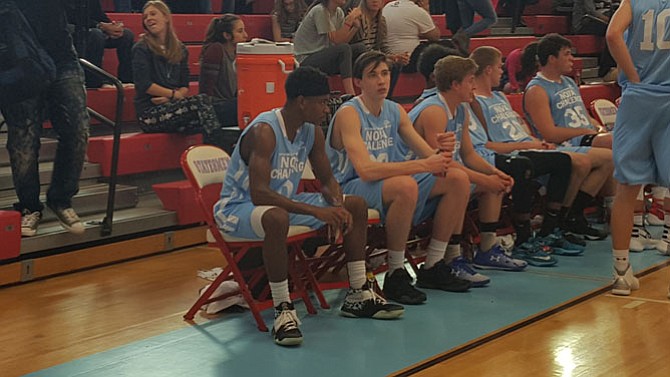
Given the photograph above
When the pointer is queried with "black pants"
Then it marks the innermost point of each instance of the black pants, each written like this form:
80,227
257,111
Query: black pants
531,164
593,27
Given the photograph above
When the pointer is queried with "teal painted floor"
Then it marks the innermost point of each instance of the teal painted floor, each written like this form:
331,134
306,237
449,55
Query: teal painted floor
338,346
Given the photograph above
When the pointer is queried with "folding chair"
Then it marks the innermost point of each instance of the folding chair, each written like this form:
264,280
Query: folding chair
205,167
605,112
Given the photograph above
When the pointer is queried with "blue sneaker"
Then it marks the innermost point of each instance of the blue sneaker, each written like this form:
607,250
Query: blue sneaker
496,259
461,268
561,244
535,253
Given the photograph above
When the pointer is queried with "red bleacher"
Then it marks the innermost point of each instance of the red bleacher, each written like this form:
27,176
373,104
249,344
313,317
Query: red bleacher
140,152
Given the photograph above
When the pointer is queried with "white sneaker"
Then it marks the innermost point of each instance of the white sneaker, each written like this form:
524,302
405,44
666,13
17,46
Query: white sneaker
69,220
640,240
663,246
624,282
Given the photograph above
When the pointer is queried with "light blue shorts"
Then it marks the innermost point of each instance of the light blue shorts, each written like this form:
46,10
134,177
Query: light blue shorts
243,220
579,149
372,193
641,142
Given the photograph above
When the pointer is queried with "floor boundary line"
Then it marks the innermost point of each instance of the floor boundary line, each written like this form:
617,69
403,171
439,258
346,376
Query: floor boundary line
514,327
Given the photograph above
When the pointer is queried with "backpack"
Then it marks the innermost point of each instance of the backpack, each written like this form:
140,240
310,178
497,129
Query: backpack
25,68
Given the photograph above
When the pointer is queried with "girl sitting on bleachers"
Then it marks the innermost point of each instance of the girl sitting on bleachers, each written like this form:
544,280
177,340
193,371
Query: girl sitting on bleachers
286,17
161,75
218,76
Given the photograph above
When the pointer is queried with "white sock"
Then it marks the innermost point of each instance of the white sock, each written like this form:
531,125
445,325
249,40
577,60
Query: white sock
453,252
620,260
638,219
608,201
435,253
280,292
488,240
356,270
396,259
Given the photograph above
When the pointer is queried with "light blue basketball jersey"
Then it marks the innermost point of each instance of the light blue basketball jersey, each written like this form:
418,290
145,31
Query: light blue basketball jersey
502,121
565,102
479,138
454,123
648,41
380,134
428,92
288,162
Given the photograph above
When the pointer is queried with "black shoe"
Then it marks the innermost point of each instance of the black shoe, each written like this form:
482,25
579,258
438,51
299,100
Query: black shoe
365,303
285,330
398,287
441,276
574,239
462,41
579,225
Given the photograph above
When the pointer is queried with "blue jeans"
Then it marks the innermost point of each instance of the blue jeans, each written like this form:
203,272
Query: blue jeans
484,8
64,103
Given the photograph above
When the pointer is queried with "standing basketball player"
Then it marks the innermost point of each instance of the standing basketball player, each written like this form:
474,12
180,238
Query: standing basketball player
640,143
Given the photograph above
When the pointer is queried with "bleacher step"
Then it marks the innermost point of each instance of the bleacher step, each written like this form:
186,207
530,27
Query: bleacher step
47,150
90,199
590,73
51,234
46,169
500,31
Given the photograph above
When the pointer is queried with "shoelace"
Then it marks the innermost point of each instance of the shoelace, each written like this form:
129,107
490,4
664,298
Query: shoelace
288,320
70,216
29,220
377,298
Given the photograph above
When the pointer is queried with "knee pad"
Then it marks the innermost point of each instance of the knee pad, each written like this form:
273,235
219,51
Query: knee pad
520,166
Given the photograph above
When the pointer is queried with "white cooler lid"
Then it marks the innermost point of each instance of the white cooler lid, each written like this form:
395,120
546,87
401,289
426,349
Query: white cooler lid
259,46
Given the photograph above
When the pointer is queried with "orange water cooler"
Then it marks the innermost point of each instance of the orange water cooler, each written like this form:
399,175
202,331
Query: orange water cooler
262,67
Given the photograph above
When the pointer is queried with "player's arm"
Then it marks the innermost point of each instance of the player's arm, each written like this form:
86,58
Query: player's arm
432,121
256,149
347,132
620,21
536,102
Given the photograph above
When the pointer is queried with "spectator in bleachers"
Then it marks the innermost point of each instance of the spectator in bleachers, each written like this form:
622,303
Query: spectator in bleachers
520,67
554,107
373,33
104,33
468,8
160,70
322,40
362,148
260,200
593,17
408,21
218,78
286,17
64,103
